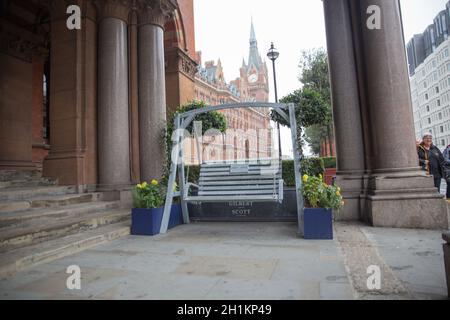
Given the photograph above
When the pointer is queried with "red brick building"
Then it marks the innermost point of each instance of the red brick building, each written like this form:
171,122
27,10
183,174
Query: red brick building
328,148
250,132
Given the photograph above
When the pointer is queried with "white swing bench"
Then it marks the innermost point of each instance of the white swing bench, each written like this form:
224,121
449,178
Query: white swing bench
243,180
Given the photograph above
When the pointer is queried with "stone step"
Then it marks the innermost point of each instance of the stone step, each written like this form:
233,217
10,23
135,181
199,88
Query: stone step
49,228
14,206
42,182
20,259
9,219
8,175
48,202
10,194
64,200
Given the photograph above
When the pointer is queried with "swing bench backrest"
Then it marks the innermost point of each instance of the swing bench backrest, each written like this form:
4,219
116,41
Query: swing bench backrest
253,180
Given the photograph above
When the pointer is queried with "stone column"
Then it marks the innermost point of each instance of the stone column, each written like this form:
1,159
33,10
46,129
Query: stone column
346,106
152,90
113,123
399,194
134,98
388,91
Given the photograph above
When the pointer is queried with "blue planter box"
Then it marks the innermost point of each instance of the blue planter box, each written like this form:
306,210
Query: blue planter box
147,222
318,224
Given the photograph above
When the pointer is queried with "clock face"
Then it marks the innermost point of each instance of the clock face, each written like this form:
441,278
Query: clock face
253,78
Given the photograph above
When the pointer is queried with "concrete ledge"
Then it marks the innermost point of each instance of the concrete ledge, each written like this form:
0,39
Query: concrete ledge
352,187
351,209
124,196
425,213
405,200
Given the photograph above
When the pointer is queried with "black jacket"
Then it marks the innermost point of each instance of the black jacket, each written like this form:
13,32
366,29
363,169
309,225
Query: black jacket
434,155
446,154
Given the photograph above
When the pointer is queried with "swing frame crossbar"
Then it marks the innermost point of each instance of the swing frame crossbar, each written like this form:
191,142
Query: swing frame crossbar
183,120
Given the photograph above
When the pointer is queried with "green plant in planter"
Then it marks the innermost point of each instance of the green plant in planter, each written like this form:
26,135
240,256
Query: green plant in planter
310,166
149,196
318,194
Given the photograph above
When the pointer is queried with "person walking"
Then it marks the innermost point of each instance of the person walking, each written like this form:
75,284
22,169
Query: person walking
431,159
447,169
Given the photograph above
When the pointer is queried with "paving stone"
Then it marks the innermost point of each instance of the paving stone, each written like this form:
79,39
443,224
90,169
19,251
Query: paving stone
360,254
415,257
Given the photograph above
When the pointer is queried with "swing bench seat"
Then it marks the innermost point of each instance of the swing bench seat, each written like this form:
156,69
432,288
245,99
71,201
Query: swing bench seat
258,181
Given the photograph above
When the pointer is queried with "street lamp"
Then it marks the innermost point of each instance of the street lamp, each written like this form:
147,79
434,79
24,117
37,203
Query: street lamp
273,55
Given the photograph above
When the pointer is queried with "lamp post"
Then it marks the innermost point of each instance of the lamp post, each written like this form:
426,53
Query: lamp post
273,55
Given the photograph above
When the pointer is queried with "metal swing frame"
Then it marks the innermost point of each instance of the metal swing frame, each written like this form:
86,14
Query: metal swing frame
182,121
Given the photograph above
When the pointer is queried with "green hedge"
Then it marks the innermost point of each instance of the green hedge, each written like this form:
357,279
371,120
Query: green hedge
310,166
329,162
194,174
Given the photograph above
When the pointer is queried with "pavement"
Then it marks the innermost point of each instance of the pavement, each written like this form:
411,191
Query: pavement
257,261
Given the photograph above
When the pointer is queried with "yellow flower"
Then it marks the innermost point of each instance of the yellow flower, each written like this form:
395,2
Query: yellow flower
139,186
305,178
338,193
320,176
339,189
154,182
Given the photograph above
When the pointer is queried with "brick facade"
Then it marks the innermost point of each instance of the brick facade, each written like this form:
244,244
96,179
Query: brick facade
249,131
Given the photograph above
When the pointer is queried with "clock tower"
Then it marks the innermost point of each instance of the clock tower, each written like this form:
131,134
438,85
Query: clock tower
254,84
249,133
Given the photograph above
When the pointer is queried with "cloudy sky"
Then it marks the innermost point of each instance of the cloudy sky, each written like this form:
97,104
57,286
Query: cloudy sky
223,30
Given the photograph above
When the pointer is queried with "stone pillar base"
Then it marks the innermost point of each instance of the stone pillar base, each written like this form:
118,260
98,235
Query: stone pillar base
125,197
67,168
351,189
114,187
405,201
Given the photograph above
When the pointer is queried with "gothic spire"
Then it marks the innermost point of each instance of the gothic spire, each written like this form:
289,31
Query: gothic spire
254,56
253,41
